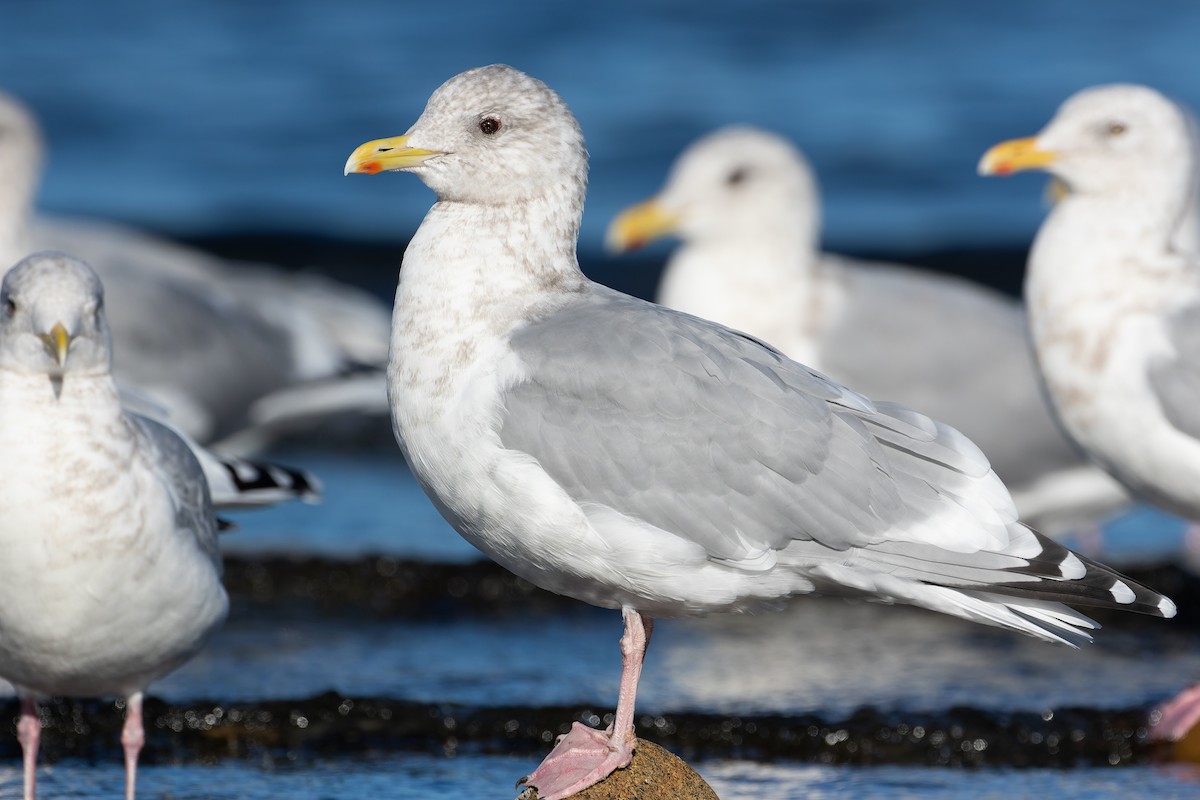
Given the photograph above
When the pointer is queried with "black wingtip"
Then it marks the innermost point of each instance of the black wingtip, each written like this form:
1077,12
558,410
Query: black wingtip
1068,577
257,476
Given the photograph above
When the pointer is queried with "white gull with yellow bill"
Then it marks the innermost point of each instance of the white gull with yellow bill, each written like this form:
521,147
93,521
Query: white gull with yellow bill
642,459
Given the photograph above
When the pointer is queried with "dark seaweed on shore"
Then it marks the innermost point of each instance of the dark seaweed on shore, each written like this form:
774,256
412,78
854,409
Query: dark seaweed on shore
389,587
332,725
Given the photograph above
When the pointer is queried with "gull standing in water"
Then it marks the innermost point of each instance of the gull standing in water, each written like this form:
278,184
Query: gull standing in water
110,576
642,459
747,208
1113,291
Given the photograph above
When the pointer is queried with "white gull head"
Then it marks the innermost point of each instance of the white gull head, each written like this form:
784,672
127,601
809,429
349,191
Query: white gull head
52,318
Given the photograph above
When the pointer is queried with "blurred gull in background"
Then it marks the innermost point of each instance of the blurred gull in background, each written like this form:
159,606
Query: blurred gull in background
635,457
111,575
746,205
1113,290
233,352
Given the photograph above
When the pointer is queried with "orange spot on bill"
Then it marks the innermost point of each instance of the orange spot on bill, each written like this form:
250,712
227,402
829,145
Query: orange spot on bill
370,167
1003,169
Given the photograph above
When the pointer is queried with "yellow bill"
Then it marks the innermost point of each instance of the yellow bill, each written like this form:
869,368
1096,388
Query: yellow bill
639,225
385,155
1015,155
57,341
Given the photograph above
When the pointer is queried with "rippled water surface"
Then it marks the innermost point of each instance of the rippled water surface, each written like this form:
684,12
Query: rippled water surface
485,777
819,655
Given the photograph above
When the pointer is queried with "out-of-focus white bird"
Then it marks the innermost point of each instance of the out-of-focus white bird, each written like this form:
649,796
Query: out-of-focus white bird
746,205
1113,305
1113,292
110,575
210,341
639,458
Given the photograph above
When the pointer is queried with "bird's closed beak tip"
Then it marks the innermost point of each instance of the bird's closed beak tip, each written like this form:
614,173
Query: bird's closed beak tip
637,226
57,341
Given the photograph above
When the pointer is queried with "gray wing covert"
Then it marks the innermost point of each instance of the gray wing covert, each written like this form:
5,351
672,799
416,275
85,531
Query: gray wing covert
716,437
952,349
177,465
1176,381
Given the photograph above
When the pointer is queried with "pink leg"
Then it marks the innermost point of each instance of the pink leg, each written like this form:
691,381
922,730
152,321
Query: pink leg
586,756
29,733
1191,538
133,736
1177,716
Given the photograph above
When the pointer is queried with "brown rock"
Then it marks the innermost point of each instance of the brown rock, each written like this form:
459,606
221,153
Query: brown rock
1186,748
653,774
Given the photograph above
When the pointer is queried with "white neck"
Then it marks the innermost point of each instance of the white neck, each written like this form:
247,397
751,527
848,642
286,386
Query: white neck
1100,268
74,393
1085,250
470,274
38,421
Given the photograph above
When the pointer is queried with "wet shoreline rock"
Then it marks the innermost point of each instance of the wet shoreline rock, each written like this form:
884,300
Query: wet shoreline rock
653,774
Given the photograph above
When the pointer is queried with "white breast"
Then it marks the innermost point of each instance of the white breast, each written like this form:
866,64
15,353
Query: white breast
99,592
1098,324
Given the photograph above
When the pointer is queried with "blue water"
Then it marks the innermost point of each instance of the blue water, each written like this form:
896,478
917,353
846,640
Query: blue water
201,116
821,656
471,777
373,505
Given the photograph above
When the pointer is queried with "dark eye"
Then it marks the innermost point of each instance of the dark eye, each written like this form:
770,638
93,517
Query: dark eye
10,306
1115,128
738,176
489,125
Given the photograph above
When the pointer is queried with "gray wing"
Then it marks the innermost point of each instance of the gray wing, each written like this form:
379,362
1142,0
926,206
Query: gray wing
1176,382
210,339
171,456
720,439
957,351
716,438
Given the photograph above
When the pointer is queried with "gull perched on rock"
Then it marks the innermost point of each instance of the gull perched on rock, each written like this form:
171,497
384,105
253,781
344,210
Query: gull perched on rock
110,575
642,459
746,205
1113,290
225,348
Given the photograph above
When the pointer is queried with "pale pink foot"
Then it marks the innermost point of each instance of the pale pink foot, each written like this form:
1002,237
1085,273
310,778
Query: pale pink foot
133,736
29,733
583,757
586,756
1177,716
